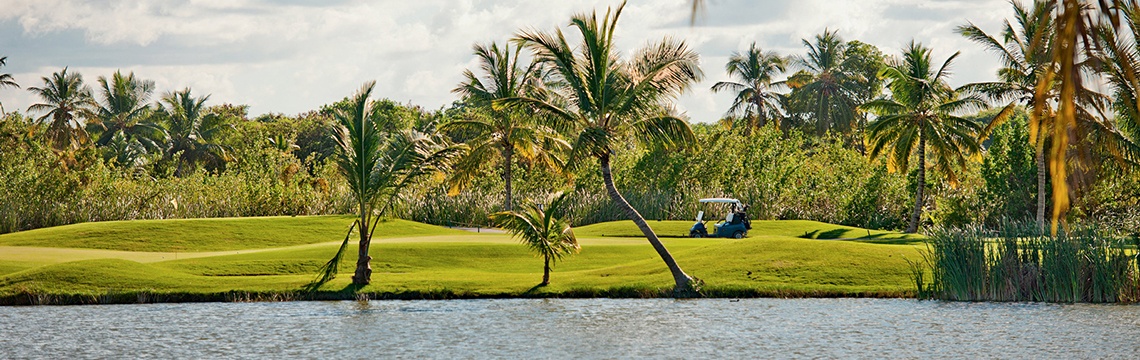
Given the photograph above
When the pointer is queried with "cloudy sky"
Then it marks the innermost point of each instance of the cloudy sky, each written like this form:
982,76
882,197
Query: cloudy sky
291,56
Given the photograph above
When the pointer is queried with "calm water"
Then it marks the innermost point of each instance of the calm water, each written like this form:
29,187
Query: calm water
591,328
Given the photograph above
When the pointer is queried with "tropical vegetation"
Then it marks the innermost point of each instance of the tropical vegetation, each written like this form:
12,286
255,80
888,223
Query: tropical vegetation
542,230
840,133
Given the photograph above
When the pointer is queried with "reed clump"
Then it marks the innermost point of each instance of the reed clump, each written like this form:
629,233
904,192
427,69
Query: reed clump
1020,262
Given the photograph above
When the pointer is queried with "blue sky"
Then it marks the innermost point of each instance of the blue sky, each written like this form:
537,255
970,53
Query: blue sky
295,55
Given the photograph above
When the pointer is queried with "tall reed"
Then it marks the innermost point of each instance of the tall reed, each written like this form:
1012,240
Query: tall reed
1019,262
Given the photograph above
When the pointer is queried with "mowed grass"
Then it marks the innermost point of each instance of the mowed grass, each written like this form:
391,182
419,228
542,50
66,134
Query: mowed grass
770,262
185,235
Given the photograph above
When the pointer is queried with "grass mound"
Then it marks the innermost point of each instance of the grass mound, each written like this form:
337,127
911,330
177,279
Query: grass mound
220,234
774,261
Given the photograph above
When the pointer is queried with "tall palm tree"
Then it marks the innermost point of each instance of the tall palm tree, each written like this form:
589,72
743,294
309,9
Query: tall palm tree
1026,53
64,98
611,102
506,133
1120,59
1077,22
827,87
539,227
920,115
6,80
378,166
194,134
755,102
124,108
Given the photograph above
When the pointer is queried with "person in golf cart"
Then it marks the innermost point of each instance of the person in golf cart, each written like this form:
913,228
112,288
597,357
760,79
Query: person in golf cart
735,224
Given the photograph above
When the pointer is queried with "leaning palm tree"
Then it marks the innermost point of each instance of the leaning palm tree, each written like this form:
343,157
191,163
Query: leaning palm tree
920,115
497,138
124,109
539,227
378,166
6,80
1025,52
194,134
828,89
64,98
755,101
611,102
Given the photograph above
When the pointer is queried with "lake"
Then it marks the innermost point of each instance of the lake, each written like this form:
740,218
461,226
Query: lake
564,328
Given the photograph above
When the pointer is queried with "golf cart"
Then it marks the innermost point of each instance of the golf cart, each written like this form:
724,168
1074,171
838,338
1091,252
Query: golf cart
735,224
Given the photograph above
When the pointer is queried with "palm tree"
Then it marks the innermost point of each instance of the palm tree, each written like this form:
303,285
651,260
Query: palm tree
755,100
920,115
1121,61
6,81
1077,22
378,166
1026,53
540,228
194,135
495,140
124,109
612,102
827,88
64,98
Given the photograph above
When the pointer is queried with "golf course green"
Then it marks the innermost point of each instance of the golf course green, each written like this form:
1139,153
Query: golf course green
276,257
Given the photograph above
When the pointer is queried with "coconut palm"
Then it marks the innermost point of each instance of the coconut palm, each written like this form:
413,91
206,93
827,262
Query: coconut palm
124,109
497,138
920,115
194,134
64,98
1121,61
611,102
827,88
1077,22
1026,52
378,166
755,101
6,81
540,229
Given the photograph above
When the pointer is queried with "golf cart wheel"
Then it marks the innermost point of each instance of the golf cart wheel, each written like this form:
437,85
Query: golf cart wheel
695,235
738,235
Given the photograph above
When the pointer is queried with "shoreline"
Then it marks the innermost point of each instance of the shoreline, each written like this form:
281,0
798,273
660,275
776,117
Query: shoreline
149,297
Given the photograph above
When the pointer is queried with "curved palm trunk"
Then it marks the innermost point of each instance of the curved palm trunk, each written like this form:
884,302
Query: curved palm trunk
363,274
1040,182
546,271
685,285
921,188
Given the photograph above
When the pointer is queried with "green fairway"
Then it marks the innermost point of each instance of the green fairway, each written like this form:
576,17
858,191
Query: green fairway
88,261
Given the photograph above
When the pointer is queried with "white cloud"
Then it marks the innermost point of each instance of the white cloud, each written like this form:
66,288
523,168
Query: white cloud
294,56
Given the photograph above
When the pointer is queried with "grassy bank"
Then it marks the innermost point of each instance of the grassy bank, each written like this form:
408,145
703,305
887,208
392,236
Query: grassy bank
273,258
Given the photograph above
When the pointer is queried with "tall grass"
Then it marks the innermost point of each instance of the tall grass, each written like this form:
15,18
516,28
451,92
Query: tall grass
1019,262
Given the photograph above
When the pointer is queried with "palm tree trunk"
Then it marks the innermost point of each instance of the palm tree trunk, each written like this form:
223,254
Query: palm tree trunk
920,189
685,285
178,169
1040,182
508,156
545,271
363,275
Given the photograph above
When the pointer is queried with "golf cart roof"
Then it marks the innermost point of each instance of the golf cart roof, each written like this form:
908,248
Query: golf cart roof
721,201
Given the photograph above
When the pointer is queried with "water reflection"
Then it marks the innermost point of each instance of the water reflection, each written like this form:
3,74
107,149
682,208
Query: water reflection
563,328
